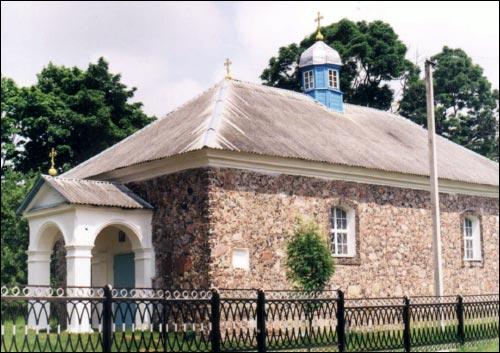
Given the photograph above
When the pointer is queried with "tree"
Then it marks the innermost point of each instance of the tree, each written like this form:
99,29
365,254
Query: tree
80,113
10,125
14,231
466,106
371,53
309,260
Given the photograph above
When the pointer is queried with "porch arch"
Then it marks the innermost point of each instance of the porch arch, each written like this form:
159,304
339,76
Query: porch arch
46,236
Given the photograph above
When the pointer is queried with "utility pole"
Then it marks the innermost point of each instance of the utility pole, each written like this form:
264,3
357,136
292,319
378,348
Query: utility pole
436,219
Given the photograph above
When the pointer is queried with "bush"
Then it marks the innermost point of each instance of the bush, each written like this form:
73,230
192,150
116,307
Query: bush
309,260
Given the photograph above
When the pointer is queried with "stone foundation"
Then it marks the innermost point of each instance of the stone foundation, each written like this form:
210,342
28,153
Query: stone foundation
202,215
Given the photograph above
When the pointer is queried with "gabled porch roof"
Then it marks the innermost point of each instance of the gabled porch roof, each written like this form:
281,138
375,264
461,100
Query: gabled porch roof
81,192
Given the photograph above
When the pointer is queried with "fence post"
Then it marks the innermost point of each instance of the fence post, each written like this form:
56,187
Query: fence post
261,321
406,320
215,320
460,317
341,321
107,319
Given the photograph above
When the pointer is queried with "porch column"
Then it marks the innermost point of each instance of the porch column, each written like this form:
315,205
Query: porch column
38,275
39,267
144,267
79,265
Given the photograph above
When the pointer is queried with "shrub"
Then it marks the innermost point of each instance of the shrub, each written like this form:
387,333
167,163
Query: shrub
309,260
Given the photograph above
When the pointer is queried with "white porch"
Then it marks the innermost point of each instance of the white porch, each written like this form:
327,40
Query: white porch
94,236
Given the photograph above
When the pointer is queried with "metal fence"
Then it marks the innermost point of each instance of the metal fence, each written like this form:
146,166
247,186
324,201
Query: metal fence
104,319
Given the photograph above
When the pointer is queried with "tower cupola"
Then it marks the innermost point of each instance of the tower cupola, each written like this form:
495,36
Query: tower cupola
320,66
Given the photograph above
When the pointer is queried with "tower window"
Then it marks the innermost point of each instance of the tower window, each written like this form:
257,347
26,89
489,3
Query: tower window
308,80
333,79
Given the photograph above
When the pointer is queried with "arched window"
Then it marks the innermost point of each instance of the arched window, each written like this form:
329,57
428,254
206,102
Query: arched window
472,239
342,232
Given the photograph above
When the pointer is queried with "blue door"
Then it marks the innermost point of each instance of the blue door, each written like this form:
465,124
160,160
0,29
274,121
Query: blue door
124,277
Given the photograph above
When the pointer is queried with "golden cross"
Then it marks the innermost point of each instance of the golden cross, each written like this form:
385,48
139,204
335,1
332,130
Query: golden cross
318,19
52,155
319,36
227,64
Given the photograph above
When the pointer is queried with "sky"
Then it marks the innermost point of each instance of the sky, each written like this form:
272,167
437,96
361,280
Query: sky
172,51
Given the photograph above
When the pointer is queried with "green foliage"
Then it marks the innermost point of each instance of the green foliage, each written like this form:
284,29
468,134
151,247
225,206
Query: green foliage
372,54
14,231
80,113
10,125
309,260
466,106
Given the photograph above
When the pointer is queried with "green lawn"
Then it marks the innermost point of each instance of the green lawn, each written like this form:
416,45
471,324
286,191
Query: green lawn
490,346
138,341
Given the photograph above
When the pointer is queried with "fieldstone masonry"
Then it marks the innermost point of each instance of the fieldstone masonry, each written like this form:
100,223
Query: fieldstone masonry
202,214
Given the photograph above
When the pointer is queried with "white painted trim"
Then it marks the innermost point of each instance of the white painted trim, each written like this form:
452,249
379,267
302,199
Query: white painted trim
279,165
476,239
44,212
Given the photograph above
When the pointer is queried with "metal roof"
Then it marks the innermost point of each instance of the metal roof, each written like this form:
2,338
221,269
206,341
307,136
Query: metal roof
319,53
88,192
246,117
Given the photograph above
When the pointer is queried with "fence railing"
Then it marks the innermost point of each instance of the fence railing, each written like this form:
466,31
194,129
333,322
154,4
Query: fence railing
105,319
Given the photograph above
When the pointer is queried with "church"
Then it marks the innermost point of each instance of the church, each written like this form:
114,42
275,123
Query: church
208,196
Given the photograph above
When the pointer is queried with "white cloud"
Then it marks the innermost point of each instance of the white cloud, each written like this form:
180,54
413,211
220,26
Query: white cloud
171,51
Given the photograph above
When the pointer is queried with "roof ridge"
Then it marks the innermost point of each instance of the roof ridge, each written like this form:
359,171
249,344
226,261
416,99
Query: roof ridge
49,177
300,94
215,118
142,129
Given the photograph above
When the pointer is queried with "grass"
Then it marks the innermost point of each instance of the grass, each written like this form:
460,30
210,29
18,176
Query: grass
489,346
128,341
138,341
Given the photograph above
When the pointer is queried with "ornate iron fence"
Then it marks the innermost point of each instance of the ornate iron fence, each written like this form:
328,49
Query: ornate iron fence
105,319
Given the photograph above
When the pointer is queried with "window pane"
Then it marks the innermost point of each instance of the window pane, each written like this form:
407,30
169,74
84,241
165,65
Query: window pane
468,249
332,241
339,235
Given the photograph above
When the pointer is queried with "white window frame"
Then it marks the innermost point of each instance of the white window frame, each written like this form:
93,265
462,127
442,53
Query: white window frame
472,239
308,80
347,232
333,78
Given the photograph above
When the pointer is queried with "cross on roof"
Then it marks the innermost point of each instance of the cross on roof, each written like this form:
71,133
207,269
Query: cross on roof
52,155
318,19
319,36
227,64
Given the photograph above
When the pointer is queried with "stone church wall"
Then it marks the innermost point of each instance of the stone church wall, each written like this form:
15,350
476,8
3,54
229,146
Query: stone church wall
180,227
201,215
257,211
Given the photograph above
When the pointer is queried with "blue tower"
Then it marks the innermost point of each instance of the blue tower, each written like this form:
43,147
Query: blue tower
320,67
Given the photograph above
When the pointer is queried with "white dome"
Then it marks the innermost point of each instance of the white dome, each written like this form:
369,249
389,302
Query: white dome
318,54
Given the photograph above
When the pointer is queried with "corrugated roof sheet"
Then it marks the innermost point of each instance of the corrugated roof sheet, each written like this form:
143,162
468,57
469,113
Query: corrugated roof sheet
97,193
271,121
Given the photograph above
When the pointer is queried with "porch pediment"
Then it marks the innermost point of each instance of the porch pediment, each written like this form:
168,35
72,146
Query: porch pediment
54,191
